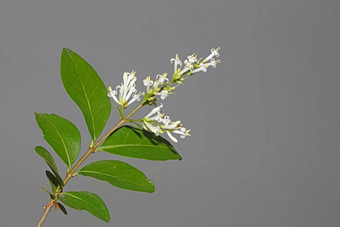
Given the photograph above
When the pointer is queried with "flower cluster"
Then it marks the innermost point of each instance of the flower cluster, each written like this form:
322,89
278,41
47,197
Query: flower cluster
193,65
126,90
159,87
156,122
126,93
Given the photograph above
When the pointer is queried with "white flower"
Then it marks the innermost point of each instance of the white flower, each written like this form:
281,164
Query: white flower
186,69
152,128
154,123
192,59
202,67
160,79
176,62
112,94
189,64
147,83
164,94
175,127
171,125
136,97
214,52
126,90
183,132
212,63
157,111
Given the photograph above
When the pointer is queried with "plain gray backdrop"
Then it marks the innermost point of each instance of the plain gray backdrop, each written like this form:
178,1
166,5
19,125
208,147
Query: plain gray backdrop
265,123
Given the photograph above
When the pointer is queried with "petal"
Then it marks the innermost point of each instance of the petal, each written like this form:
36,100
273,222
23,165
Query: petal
171,136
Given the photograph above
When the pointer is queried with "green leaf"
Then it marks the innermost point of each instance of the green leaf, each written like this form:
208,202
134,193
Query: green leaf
62,135
136,143
86,89
62,208
50,194
42,152
86,201
54,182
119,174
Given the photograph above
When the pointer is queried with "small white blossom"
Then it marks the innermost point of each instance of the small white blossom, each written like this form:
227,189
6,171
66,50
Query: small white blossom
175,127
212,63
152,128
147,83
189,64
183,132
214,52
171,125
157,111
202,67
112,94
192,59
163,94
160,79
176,62
126,90
151,123
136,97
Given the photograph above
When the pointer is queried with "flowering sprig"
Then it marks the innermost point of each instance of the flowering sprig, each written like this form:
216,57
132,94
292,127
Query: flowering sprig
192,65
119,140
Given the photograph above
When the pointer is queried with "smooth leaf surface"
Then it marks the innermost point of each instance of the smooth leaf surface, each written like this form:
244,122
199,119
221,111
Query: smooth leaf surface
42,152
50,162
53,180
61,134
86,89
119,174
49,193
86,201
62,208
136,143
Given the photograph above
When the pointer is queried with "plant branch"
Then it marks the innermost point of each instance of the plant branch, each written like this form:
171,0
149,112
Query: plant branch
70,173
47,210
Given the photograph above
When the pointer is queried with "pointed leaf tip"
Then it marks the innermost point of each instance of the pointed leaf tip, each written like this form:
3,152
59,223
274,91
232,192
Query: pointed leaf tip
62,208
119,174
86,89
136,143
62,135
82,200
42,152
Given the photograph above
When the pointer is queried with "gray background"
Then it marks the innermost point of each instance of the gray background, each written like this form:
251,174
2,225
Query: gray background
265,124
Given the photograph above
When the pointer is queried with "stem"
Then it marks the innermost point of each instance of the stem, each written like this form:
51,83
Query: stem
47,210
70,173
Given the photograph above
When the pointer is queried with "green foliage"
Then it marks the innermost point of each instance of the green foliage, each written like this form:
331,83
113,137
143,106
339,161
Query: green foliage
62,208
62,135
86,89
90,202
136,143
55,182
42,152
118,174
48,192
